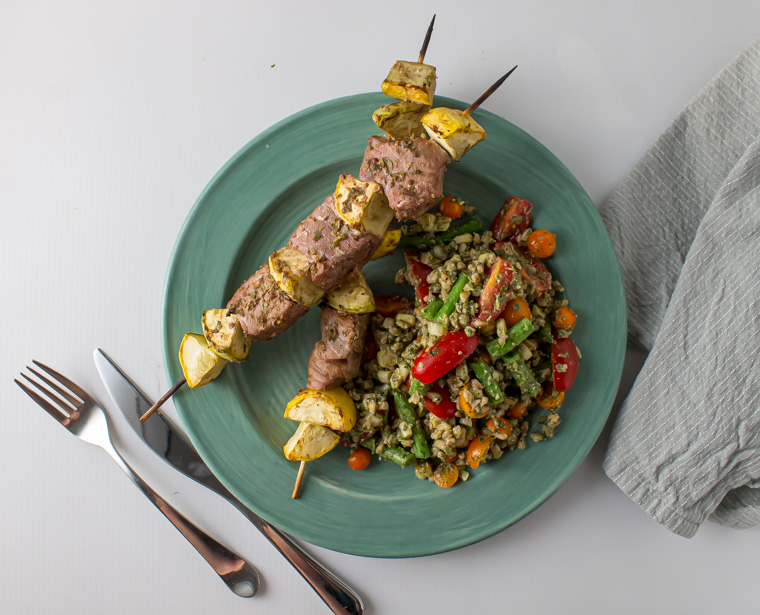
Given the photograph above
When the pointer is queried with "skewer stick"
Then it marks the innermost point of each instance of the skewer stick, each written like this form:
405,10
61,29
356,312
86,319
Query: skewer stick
299,478
423,51
481,99
161,401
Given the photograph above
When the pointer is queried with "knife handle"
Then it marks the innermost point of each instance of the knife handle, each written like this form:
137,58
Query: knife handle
341,599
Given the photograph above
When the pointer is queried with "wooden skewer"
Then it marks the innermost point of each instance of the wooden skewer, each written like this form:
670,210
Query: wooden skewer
161,401
299,478
423,51
481,99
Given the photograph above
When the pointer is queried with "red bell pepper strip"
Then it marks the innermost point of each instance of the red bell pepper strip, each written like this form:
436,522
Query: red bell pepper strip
444,409
390,305
449,351
564,353
497,290
513,218
419,273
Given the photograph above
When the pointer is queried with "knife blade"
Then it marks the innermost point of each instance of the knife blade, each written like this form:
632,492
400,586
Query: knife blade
169,444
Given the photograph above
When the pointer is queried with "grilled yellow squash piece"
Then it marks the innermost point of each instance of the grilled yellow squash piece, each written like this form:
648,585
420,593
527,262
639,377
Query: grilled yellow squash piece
292,272
310,442
354,297
225,336
411,81
363,205
454,131
199,363
401,120
390,241
332,408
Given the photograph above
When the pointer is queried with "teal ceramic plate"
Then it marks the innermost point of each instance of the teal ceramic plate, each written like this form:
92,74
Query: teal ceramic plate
249,209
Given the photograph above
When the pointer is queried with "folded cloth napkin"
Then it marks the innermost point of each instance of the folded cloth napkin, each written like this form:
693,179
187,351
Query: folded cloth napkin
686,227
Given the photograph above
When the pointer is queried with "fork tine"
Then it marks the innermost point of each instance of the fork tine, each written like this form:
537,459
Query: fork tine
57,400
62,392
45,404
63,380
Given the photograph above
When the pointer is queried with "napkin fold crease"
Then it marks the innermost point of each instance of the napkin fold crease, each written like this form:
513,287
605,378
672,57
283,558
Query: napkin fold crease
686,227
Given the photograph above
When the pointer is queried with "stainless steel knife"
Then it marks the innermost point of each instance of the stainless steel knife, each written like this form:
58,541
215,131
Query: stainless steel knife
169,444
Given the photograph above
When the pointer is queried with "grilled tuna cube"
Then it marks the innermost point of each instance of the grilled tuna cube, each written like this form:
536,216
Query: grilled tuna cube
401,120
225,336
332,408
353,297
292,272
411,81
454,131
200,364
310,442
336,357
363,205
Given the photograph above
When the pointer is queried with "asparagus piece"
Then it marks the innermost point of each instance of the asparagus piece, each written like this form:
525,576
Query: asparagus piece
451,301
484,373
545,333
407,413
417,387
522,375
515,336
396,454
471,226
431,309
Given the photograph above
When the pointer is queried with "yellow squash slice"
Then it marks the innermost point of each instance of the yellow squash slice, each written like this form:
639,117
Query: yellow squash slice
401,120
454,131
225,336
332,408
310,442
199,363
292,272
354,297
390,241
411,81
363,205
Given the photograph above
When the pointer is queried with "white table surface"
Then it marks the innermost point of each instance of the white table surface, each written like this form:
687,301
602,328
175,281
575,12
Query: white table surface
113,116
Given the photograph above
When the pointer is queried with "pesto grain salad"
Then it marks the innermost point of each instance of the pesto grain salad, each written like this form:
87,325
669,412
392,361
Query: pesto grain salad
456,378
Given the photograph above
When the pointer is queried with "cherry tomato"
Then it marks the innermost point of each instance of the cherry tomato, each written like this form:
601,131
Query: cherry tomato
496,290
449,351
564,353
359,459
542,243
515,311
450,207
443,409
518,410
478,449
500,426
390,305
445,475
513,218
550,398
420,271
535,271
564,318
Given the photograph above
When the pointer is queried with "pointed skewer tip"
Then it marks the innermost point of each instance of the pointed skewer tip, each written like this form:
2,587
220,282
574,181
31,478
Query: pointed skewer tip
161,401
482,98
425,43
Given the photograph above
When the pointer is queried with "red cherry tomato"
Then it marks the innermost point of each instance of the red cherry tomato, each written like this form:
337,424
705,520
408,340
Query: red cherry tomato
513,218
565,353
497,289
535,271
420,271
449,351
444,409
390,305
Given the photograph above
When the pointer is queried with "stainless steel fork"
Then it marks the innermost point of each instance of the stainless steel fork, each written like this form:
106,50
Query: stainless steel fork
73,408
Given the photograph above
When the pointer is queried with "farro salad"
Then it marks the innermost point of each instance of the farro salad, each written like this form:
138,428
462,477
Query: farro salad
458,376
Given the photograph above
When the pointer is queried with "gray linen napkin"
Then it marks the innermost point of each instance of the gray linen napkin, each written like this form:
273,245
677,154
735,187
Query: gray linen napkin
686,227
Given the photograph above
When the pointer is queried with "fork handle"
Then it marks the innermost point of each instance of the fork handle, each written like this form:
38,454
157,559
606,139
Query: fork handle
240,577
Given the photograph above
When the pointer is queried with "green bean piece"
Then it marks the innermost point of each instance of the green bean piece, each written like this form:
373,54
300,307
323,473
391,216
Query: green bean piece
417,387
431,309
515,336
522,375
407,413
471,226
545,333
398,456
485,373
370,444
450,304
